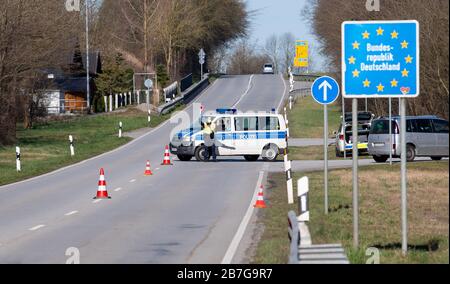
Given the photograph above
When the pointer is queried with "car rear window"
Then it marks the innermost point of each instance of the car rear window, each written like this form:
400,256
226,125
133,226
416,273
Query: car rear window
440,126
381,127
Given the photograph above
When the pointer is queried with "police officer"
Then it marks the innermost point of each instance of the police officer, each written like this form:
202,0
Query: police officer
210,139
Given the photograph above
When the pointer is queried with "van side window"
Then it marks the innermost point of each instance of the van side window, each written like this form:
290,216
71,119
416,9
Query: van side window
223,124
440,126
411,126
267,123
424,126
246,123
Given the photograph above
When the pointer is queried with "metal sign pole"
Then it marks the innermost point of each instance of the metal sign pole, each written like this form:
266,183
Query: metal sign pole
325,150
88,89
343,127
355,174
404,178
390,131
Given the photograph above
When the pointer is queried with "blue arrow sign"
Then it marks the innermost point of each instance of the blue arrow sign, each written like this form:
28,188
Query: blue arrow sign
380,59
325,90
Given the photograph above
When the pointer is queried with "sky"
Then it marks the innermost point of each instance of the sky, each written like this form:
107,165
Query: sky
278,17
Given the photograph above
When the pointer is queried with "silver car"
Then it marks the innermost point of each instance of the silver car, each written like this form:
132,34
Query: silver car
426,136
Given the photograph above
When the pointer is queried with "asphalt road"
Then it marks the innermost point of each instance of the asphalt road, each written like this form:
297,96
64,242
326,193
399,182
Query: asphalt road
186,213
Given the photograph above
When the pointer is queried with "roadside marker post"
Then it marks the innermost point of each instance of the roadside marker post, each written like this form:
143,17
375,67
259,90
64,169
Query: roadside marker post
381,59
18,162
120,129
149,118
110,103
289,181
303,199
71,146
117,101
105,100
325,91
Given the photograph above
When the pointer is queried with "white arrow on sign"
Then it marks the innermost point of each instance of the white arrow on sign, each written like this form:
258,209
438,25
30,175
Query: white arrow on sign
325,86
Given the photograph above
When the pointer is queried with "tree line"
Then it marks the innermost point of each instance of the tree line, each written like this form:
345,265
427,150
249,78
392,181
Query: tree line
326,17
161,36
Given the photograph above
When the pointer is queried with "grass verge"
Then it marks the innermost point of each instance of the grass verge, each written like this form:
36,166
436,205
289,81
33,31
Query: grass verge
46,147
380,222
306,118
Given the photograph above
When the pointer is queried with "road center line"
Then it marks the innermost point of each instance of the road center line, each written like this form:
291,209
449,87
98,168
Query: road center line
71,213
132,181
118,189
97,201
37,228
246,92
243,226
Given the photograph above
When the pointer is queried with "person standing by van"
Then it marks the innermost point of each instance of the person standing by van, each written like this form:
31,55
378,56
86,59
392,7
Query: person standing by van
210,139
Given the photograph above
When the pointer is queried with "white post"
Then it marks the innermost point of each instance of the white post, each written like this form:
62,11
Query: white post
18,164
138,97
147,98
130,98
72,149
290,102
290,185
105,99
303,200
117,101
120,129
110,103
149,116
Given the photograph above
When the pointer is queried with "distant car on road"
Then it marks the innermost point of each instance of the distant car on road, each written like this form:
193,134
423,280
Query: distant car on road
268,69
345,134
251,135
426,136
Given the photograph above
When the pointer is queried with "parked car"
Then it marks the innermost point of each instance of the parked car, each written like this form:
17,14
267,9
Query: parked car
344,136
268,69
426,136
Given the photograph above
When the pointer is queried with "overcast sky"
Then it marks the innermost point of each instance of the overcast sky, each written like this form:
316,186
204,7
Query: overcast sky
278,17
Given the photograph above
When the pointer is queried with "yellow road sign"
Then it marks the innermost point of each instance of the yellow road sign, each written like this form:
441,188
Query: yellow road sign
301,54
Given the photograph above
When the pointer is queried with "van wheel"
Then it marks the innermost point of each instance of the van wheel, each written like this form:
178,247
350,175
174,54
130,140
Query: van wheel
270,153
410,153
202,154
339,154
184,158
380,159
436,158
251,158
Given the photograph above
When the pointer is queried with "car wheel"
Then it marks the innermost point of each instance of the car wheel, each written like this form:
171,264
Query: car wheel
410,153
339,154
251,158
184,158
202,154
436,158
380,159
270,153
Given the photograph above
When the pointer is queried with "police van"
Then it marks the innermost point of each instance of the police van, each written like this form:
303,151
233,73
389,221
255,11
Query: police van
251,135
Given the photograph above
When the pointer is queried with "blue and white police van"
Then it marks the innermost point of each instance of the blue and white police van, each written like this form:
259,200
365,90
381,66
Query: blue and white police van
251,135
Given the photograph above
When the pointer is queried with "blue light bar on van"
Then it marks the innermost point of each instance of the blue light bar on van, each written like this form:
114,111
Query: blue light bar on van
225,111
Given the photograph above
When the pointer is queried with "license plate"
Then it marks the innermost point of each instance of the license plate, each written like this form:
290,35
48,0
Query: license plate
362,146
174,149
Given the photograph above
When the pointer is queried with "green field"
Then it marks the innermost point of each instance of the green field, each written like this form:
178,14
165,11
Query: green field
380,221
46,147
306,119
316,153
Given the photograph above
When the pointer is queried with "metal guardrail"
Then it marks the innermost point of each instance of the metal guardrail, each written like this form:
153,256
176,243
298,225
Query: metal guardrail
186,96
306,77
294,236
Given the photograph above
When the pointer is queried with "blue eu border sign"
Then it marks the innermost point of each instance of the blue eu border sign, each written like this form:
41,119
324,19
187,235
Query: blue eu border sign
380,59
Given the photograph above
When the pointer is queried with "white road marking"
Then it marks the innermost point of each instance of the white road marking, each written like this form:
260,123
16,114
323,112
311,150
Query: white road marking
37,227
243,226
118,189
246,92
97,201
71,213
284,93
157,169
132,181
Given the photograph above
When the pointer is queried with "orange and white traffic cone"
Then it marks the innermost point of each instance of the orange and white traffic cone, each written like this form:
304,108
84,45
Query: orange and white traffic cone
148,171
167,161
102,193
260,203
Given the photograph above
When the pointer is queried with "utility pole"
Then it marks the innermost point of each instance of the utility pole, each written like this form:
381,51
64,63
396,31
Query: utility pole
88,90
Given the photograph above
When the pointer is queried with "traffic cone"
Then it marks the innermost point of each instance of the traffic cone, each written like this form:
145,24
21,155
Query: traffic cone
102,193
167,161
260,203
148,171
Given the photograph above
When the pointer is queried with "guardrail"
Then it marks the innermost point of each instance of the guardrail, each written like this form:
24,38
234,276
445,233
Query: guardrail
186,97
306,77
294,236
